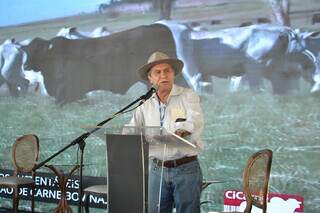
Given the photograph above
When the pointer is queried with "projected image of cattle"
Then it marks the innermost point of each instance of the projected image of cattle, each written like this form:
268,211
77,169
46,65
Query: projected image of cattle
276,53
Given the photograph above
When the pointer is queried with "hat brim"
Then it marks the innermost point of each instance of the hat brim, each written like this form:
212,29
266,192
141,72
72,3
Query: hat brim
176,64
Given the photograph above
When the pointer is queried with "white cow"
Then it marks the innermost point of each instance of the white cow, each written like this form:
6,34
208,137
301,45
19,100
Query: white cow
11,64
100,32
36,81
74,33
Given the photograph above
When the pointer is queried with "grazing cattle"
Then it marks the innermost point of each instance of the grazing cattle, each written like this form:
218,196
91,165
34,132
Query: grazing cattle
72,68
11,58
275,52
215,22
315,18
73,33
36,79
204,57
100,32
184,51
293,64
244,24
263,20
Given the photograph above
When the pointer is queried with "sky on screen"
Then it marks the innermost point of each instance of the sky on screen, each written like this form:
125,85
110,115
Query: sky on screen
13,12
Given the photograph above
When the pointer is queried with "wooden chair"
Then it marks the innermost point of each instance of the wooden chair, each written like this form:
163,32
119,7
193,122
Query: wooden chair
256,180
25,153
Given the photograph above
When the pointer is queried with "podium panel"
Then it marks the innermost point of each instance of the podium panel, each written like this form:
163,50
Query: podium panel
127,157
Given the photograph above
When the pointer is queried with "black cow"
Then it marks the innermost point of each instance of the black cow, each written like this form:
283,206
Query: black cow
72,68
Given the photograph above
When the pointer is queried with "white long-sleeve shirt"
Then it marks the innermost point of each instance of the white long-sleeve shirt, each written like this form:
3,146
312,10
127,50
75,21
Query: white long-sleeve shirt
182,103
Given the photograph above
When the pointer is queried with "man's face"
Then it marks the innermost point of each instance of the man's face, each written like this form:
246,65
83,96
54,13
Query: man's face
162,75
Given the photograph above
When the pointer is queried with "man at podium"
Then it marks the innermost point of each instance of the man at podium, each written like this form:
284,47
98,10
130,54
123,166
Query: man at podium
178,110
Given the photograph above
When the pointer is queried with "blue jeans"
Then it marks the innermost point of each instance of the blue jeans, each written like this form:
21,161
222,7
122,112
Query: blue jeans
181,187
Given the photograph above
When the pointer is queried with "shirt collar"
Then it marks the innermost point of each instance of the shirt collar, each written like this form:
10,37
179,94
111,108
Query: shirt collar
176,90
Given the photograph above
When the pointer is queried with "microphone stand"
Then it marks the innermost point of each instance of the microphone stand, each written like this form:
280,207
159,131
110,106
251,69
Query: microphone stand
81,142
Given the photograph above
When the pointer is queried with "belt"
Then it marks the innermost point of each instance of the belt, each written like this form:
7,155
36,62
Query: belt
175,163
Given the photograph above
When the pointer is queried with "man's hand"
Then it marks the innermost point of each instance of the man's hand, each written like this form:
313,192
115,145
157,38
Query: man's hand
182,133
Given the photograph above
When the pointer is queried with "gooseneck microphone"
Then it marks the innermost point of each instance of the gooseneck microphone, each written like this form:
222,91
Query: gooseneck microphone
148,95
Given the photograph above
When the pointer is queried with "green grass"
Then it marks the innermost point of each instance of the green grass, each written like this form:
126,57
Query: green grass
236,125
239,124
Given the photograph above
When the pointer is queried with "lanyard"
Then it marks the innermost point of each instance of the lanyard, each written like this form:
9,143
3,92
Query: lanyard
162,111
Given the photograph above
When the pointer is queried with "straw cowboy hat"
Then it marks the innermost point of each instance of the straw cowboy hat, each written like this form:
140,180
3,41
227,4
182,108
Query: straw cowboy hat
159,58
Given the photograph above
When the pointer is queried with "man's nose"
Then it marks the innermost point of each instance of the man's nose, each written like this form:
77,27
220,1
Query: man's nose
163,74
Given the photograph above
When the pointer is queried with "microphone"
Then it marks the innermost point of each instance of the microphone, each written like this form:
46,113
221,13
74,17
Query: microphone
148,95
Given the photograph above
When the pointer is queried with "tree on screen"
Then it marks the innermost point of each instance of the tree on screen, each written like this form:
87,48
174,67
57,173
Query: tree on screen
280,11
164,7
